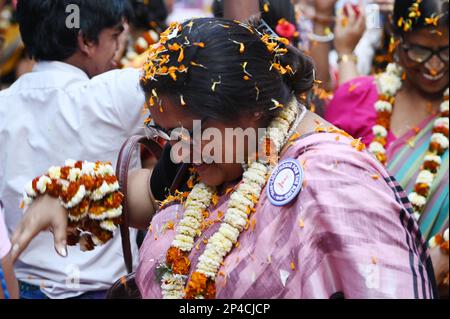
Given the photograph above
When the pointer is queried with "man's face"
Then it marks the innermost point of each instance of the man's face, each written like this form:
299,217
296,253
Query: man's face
103,53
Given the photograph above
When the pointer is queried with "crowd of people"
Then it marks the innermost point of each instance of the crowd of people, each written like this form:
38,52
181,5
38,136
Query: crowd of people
346,196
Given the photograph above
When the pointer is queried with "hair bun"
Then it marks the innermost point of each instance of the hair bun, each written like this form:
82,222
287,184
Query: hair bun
302,80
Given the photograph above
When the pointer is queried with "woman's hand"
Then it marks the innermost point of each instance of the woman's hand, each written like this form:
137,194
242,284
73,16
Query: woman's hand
441,269
46,213
349,29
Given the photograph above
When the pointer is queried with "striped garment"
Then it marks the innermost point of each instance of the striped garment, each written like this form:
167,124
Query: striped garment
349,233
407,155
352,109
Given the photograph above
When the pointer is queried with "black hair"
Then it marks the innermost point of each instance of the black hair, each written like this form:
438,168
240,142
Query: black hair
45,33
277,9
427,8
149,14
214,85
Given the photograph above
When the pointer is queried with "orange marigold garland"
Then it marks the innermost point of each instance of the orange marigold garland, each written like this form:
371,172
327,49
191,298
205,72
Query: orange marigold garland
388,84
90,194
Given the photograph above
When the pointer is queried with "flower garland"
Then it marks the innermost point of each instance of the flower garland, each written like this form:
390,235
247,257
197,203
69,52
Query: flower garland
142,44
240,206
90,194
441,241
388,84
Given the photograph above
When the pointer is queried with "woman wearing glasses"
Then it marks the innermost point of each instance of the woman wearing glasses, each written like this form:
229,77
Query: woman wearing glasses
402,114
313,215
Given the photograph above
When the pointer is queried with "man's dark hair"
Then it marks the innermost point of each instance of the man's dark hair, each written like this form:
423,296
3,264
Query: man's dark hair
44,30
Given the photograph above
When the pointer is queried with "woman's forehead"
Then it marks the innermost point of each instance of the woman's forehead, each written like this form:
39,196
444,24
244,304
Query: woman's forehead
429,37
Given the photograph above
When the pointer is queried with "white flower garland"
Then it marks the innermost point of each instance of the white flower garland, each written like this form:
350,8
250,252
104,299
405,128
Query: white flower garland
389,83
240,206
74,185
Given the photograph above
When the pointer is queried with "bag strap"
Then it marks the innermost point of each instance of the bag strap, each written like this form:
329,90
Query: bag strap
122,167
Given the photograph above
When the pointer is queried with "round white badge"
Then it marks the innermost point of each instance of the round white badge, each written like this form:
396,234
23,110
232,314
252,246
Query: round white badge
285,183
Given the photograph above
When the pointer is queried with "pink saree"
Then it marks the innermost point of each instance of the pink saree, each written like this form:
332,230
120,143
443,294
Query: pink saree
348,233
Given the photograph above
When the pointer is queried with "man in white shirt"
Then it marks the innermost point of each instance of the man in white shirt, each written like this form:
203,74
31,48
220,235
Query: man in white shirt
69,107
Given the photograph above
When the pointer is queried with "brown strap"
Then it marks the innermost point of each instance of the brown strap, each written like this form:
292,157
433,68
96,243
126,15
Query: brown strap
123,165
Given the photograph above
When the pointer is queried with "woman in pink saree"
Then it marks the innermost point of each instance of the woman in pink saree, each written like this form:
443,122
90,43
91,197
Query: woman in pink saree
321,219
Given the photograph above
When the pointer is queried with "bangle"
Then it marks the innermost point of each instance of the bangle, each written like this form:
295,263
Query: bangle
321,38
347,58
90,194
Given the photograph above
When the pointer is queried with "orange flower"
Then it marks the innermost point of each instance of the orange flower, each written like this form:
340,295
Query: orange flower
196,286
358,145
422,189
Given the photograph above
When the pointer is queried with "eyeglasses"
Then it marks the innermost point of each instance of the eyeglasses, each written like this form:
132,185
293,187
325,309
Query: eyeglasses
420,54
178,134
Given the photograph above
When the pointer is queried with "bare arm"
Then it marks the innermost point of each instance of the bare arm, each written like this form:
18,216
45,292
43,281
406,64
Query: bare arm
348,32
47,213
239,9
10,278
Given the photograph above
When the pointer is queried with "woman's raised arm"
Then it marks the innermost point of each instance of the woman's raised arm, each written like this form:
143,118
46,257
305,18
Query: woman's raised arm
47,213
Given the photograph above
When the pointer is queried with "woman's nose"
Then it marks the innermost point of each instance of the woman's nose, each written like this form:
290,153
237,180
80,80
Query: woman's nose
434,65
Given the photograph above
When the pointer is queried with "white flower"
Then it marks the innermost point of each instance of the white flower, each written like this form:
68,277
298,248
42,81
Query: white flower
77,198
425,177
88,168
229,232
186,230
109,214
54,172
380,131
417,200
433,158
376,147
388,84
235,220
416,216
444,107
132,55
432,242
42,183
446,235
29,189
440,139
394,69
383,106
441,122
27,200
74,174
97,241
142,43
108,225
70,163
446,93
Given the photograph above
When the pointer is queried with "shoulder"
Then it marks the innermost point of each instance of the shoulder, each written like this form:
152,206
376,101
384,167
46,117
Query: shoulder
339,172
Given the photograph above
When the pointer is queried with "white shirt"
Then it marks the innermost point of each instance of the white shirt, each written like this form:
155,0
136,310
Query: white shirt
47,116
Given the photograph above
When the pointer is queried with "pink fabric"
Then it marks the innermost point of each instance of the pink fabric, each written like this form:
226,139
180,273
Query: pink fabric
5,244
354,239
353,108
